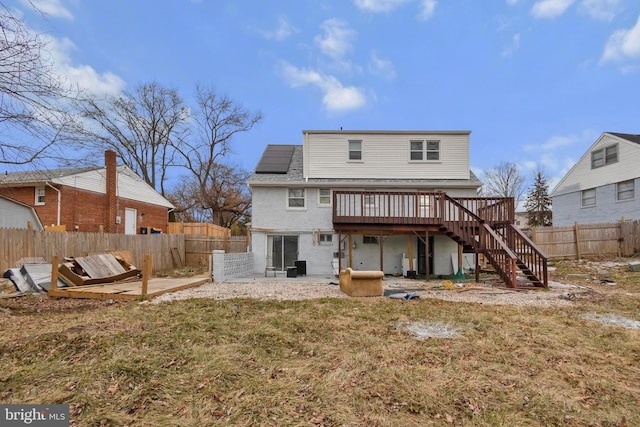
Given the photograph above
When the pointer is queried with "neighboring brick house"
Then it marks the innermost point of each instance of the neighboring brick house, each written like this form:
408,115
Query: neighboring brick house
603,185
373,200
112,198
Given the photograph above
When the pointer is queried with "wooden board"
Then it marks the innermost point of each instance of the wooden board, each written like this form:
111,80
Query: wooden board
103,265
129,290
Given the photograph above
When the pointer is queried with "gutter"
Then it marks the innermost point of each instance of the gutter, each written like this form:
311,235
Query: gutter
59,198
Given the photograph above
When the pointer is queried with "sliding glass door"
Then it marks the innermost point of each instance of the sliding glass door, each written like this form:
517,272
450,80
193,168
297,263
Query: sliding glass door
282,251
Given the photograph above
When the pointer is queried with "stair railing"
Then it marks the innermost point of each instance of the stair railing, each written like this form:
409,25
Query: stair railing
528,254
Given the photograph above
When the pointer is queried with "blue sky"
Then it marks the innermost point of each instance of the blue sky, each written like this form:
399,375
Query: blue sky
536,81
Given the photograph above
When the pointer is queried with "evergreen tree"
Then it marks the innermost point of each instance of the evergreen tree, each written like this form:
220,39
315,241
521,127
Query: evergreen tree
538,202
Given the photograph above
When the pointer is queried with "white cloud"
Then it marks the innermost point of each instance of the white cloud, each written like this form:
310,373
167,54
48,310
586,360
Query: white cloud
49,7
602,10
282,32
512,2
623,44
382,66
378,6
337,39
550,8
82,76
427,9
336,98
514,46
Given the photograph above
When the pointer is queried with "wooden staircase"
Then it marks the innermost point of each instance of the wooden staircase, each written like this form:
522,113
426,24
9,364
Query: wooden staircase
502,243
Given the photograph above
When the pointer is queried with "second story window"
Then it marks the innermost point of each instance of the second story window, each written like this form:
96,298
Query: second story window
420,150
324,197
604,156
355,150
588,197
39,196
295,198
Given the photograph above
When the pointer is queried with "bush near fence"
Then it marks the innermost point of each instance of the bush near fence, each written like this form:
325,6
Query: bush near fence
580,240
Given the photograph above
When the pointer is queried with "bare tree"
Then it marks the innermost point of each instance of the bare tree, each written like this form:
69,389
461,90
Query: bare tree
504,180
225,201
141,127
218,188
32,119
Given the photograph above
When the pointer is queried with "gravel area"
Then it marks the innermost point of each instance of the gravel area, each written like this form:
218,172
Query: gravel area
558,294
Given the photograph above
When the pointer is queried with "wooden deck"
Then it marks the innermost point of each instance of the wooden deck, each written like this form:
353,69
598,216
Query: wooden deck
129,290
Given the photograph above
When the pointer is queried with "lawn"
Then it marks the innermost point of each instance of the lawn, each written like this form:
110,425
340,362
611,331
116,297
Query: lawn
331,362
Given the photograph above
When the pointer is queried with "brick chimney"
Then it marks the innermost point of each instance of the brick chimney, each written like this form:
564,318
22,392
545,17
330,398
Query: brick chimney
110,201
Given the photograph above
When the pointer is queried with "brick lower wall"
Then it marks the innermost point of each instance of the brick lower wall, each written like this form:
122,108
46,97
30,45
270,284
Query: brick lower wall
86,209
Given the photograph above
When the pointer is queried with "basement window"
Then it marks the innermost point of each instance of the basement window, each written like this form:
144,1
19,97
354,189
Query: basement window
369,240
326,238
39,196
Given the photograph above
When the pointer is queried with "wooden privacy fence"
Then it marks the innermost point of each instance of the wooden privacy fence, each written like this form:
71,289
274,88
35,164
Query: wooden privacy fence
197,229
19,243
621,239
198,248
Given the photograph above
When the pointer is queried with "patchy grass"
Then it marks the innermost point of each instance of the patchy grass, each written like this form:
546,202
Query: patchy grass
329,362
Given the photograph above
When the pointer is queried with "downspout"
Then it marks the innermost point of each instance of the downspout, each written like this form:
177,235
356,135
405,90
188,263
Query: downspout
59,198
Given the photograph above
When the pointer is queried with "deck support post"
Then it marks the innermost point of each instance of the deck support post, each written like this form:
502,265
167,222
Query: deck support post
340,253
427,249
477,267
381,240
350,242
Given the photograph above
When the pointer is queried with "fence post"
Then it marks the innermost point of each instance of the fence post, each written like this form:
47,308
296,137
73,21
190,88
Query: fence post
218,266
577,231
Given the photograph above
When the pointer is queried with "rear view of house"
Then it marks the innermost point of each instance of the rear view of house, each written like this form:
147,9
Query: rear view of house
395,201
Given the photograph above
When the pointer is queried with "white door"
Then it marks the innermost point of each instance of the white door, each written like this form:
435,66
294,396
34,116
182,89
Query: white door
130,217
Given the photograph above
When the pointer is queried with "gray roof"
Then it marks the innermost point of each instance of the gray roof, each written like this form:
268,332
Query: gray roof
295,176
40,176
627,136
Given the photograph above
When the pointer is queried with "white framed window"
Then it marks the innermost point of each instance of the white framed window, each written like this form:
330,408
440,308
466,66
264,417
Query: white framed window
421,150
355,151
326,238
295,198
324,197
588,197
416,151
433,150
625,190
39,196
604,156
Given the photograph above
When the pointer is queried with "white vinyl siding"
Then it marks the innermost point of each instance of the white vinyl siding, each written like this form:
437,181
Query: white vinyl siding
588,197
385,156
625,190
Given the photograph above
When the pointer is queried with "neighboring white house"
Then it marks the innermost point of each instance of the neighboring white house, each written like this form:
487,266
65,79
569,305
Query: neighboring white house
15,214
603,185
294,188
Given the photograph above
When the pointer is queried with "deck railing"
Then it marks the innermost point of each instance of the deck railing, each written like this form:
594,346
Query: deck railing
414,208
533,260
